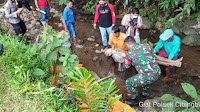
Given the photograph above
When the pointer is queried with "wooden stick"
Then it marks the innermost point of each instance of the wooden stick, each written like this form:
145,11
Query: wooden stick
41,11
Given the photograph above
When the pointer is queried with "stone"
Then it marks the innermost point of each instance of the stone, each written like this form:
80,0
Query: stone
1,15
190,22
151,105
97,45
53,10
147,24
37,24
35,31
92,38
178,27
98,51
192,40
29,26
60,24
62,34
95,58
189,31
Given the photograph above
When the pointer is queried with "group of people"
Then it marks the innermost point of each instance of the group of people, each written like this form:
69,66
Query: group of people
126,38
142,56
13,9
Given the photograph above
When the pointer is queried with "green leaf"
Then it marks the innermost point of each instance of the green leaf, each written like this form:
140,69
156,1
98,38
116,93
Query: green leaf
62,59
63,50
113,100
189,89
52,57
182,110
192,109
167,97
168,107
181,101
38,72
56,42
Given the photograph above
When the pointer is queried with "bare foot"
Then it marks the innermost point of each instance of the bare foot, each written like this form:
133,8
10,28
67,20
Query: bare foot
178,64
165,79
180,59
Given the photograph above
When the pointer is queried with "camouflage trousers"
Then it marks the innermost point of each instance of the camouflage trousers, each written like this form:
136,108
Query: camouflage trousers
140,80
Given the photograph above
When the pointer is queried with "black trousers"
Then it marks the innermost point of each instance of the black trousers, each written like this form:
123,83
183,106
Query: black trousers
20,28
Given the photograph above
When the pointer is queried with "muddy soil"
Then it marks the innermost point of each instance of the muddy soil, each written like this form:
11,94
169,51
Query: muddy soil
189,72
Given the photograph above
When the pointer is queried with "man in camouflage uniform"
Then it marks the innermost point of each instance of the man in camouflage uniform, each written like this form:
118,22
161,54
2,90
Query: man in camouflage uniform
143,57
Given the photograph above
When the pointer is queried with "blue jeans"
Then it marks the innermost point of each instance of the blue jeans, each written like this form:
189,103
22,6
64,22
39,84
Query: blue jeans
45,16
71,29
103,34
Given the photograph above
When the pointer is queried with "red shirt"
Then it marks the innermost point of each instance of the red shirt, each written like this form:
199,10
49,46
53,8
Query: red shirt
105,14
43,3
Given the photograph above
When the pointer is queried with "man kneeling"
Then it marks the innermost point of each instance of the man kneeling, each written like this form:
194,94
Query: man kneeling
143,57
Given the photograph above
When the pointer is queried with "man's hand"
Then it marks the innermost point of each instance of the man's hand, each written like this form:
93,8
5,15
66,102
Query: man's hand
19,11
113,24
95,26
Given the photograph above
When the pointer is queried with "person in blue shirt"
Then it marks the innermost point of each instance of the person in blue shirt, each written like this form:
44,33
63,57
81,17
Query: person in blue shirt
171,44
68,21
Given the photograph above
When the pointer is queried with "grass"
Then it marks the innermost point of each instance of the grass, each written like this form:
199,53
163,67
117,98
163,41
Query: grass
12,102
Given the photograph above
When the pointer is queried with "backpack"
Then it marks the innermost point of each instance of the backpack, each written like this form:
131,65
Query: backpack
1,49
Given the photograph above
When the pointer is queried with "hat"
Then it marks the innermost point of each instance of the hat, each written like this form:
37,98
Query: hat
166,34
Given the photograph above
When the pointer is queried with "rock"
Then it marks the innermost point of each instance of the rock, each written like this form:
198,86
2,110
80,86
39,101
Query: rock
147,24
37,24
98,51
92,38
151,105
26,19
97,45
189,31
189,22
53,10
1,15
29,26
62,34
192,40
178,27
60,24
35,31
95,58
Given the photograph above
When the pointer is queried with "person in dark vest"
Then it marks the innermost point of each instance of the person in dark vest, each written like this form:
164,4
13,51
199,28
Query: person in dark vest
105,13
12,13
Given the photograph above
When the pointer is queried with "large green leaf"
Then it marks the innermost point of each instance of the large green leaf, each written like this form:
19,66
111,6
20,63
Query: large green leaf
56,42
167,97
180,102
189,89
63,50
168,107
52,57
38,72
181,110
192,109
62,59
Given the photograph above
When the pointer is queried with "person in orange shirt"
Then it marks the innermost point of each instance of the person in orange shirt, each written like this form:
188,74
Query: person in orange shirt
116,42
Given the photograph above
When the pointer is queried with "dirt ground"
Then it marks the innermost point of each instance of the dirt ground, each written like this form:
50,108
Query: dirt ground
189,72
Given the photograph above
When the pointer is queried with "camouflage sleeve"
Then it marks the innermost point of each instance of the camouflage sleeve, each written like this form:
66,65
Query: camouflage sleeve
127,62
